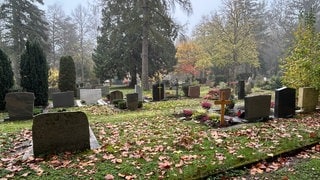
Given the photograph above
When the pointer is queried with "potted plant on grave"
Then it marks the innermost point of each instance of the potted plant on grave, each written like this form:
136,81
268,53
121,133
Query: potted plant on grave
206,105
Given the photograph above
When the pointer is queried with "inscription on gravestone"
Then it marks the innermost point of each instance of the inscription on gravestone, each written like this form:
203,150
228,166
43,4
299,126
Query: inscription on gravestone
59,132
19,105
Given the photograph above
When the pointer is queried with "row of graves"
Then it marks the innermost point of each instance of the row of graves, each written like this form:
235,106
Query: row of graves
256,108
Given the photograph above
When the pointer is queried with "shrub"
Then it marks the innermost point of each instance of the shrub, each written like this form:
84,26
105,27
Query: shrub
34,72
67,74
6,77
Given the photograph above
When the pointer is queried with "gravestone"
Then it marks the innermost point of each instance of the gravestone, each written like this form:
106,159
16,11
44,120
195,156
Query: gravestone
194,91
59,132
132,101
138,90
116,95
19,105
241,90
227,93
51,91
63,99
285,102
104,90
158,91
90,96
308,99
257,107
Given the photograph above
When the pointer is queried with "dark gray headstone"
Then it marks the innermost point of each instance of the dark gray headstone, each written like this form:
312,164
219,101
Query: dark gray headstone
257,107
116,95
19,105
59,132
51,91
158,91
285,102
63,99
132,101
241,90
194,91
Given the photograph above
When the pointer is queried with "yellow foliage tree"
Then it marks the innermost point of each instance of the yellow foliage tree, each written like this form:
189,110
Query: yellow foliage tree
53,77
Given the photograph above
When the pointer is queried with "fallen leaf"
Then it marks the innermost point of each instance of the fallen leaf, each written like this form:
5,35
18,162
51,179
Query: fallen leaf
109,177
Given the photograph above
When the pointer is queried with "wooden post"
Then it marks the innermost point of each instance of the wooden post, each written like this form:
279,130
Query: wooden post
222,102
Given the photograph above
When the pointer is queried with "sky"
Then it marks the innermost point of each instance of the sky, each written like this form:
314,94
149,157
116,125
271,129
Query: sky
200,8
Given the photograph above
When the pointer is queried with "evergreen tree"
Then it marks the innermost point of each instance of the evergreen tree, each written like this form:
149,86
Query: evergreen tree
67,74
34,72
6,77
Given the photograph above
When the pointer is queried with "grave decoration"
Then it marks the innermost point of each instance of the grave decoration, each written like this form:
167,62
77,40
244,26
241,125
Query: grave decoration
223,102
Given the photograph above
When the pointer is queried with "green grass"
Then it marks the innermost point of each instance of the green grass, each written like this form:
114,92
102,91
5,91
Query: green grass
140,143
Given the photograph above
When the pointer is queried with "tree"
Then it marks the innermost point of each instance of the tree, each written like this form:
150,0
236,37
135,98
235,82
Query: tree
67,74
6,77
23,20
34,72
148,16
301,67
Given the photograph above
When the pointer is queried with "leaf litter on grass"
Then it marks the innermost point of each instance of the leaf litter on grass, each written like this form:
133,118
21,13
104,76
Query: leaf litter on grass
163,147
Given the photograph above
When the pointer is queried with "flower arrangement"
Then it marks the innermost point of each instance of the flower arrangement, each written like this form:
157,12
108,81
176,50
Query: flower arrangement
206,105
187,112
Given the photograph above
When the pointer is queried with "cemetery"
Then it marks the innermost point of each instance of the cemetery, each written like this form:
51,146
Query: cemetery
124,90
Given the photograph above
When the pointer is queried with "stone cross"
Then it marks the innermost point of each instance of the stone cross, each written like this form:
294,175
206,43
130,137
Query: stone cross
222,102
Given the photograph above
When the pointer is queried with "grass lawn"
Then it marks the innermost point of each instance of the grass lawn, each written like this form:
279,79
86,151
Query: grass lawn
152,144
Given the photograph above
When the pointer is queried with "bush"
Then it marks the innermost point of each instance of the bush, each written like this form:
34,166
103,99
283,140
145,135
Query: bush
67,74
6,77
34,72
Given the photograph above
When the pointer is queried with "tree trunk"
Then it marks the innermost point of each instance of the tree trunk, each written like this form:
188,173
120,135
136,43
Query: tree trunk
145,44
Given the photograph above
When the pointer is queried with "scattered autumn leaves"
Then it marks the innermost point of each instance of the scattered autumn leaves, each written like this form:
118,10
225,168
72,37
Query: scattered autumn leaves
161,147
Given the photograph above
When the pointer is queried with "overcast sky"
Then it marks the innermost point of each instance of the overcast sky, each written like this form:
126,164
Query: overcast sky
200,8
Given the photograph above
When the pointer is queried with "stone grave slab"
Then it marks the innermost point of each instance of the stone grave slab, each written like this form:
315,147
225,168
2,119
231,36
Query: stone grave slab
138,90
285,102
51,91
227,93
63,99
132,101
116,95
257,107
90,96
241,90
19,105
308,99
194,91
59,132
158,91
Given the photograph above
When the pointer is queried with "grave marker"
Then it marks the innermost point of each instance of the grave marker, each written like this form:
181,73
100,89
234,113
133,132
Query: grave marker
257,107
308,99
116,95
132,101
222,102
194,91
241,90
138,90
285,102
158,91
63,99
59,132
90,96
19,105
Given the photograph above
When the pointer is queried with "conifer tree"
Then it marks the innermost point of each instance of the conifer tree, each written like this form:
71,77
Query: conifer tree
67,74
6,77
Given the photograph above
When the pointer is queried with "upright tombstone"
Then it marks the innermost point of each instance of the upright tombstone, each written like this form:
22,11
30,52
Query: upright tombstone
241,90
285,102
59,132
138,90
116,95
132,101
51,91
257,107
19,105
308,99
158,91
226,92
90,96
194,91
104,90
63,99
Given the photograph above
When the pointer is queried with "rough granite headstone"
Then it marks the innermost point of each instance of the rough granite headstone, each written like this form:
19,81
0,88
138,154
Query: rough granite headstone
19,105
285,102
63,99
116,95
308,99
158,91
59,132
132,101
90,96
194,91
138,90
257,107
